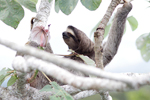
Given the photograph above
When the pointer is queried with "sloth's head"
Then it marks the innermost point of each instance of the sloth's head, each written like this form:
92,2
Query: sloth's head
70,38
77,40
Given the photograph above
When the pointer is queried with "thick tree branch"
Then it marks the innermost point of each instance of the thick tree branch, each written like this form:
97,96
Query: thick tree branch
98,35
67,63
40,20
67,77
11,93
114,39
43,13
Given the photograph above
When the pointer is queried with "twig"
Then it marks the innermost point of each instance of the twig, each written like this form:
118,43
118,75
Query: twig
46,77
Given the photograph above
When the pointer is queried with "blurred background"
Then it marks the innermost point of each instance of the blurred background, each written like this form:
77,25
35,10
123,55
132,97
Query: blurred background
128,58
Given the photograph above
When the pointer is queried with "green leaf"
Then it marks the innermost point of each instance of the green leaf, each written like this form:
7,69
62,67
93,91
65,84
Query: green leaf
69,97
107,28
87,60
4,74
57,6
46,88
133,22
13,12
143,44
60,93
56,86
67,6
2,78
94,28
4,71
56,98
11,81
29,4
91,4
49,1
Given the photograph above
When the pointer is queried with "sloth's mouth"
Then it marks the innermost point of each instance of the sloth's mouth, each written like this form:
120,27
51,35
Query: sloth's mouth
65,35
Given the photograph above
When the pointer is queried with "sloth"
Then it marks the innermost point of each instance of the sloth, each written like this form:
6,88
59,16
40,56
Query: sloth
79,42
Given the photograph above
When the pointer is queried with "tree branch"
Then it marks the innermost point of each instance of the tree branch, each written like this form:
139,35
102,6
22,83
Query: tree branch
84,94
98,35
67,63
42,15
114,39
67,77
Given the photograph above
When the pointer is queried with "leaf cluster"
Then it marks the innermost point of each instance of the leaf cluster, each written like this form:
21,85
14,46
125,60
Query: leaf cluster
6,73
12,12
132,22
58,92
143,44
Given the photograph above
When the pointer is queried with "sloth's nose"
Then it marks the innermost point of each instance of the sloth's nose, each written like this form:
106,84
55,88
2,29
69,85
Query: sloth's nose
65,35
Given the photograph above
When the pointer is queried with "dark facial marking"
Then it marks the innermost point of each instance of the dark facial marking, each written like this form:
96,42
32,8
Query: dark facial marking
67,35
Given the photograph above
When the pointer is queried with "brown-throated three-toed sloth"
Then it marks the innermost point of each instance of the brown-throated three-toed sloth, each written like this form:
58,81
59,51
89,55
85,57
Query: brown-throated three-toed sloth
78,41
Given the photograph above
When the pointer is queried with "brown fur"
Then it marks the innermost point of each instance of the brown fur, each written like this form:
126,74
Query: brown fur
79,42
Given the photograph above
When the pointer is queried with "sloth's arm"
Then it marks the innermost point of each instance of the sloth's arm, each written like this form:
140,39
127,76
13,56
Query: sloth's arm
116,32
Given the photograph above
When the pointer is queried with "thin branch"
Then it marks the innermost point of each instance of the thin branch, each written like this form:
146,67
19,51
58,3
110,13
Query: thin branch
70,89
84,94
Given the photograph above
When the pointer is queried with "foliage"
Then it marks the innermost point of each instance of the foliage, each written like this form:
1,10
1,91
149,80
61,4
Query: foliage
58,92
5,73
107,28
11,11
12,80
141,94
87,60
91,4
132,21
29,4
143,44
66,6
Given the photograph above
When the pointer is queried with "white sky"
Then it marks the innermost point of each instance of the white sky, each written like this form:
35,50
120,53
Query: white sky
128,58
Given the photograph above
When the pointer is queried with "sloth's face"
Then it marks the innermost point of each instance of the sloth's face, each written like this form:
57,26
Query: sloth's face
70,39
